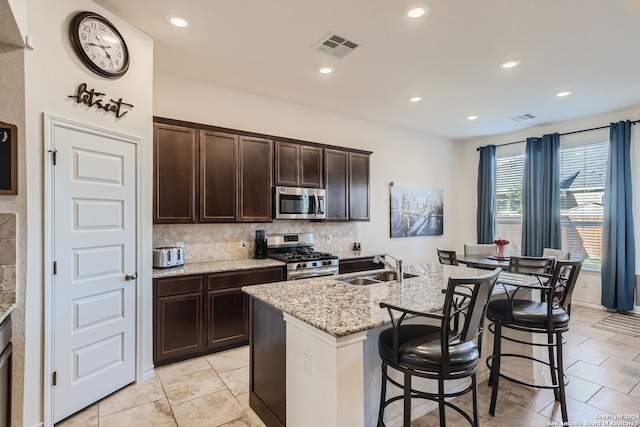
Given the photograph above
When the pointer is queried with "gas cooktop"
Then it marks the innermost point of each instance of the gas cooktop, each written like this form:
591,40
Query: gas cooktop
297,256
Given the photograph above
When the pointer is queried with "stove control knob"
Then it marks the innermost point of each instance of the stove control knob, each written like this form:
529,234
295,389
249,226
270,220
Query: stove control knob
304,265
299,266
314,264
326,263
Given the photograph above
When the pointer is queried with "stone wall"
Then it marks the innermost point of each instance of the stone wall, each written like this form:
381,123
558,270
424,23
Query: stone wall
7,258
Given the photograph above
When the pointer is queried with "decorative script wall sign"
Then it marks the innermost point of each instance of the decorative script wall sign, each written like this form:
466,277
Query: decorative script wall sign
91,98
8,159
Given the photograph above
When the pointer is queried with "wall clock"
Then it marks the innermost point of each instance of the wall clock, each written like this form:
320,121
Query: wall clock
99,45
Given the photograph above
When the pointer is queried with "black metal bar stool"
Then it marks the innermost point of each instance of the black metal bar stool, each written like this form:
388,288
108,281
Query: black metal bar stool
549,316
441,353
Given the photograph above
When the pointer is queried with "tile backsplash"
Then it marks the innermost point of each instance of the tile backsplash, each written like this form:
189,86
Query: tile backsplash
8,258
220,242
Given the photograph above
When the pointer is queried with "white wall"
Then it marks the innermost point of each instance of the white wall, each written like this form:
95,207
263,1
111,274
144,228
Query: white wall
407,158
52,73
469,168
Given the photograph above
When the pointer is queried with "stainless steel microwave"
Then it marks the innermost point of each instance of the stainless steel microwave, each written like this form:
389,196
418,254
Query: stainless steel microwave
299,203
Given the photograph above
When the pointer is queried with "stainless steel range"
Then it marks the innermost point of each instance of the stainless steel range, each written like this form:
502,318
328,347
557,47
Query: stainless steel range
302,261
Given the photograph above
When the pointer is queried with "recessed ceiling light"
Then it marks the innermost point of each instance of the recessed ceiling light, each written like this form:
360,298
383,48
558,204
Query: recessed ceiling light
417,11
472,118
178,21
326,70
563,93
415,99
511,63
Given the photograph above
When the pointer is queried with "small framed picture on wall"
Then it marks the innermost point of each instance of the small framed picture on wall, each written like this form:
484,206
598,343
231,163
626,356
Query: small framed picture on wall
8,159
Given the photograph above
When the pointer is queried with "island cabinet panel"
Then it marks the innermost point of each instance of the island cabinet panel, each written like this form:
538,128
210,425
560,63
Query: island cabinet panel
218,177
297,165
175,168
336,176
178,324
268,358
255,169
358,187
358,264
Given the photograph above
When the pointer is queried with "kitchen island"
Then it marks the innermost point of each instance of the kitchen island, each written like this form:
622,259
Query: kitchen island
323,333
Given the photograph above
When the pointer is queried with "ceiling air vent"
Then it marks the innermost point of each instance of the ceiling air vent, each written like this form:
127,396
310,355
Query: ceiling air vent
522,117
336,46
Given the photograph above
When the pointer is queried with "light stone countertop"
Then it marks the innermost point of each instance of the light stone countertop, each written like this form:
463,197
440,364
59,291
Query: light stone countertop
341,309
240,264
215,267
5,311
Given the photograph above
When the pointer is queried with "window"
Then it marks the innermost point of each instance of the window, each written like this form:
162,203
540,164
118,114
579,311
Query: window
582,175
583,168
509,171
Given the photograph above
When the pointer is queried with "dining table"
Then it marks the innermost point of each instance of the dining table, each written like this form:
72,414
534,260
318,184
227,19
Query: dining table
488,262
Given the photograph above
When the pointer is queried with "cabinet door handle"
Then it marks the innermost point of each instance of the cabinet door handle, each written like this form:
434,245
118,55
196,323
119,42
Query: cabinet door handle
130,276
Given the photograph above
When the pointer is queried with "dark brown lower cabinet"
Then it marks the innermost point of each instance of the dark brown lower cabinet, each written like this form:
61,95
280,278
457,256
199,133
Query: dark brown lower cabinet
199,314
268,359
177,317
227,317
358,264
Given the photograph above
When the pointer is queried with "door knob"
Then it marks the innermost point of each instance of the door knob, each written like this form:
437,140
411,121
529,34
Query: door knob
130,276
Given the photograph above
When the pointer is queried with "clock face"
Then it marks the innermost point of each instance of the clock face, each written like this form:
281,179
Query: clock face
99,45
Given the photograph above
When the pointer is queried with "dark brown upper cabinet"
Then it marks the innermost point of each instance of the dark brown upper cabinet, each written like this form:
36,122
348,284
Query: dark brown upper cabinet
175,168
346,176
359,187
298,165
235,181
218,177
336,176
255,168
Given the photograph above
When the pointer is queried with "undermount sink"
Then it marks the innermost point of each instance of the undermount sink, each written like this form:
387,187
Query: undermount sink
385,276
360,281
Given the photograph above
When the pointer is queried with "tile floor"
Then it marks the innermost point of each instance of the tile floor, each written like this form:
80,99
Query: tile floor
603,369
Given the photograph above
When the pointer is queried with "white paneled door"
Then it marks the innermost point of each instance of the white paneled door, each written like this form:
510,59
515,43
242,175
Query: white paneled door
94,278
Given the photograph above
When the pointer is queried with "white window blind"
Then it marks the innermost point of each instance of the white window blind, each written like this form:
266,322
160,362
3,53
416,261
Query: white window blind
509,201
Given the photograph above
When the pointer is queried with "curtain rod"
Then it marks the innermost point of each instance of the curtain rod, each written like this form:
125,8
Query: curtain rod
562,134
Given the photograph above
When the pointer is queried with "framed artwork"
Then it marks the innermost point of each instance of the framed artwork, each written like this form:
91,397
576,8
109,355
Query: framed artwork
8,159
416,211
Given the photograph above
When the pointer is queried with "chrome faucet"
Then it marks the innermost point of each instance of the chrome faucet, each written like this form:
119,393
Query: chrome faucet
398,267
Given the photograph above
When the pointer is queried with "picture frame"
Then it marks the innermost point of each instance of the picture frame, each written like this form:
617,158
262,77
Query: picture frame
415,212
8,159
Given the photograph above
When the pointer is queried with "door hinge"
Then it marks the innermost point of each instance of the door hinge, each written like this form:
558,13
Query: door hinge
55,267
54,156
55,377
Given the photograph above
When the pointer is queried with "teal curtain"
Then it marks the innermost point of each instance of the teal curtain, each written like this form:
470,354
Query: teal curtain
486,214
541,227
618,246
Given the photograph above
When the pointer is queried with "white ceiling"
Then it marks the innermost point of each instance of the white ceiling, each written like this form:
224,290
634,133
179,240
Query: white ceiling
451,57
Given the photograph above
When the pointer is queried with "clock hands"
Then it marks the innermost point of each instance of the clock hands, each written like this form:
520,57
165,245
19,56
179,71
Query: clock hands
104,48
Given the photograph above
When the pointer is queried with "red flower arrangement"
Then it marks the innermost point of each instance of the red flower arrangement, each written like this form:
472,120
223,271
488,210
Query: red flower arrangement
501,242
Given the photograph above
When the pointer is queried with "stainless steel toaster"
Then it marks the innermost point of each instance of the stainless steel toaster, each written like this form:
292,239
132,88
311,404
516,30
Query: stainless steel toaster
166,257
